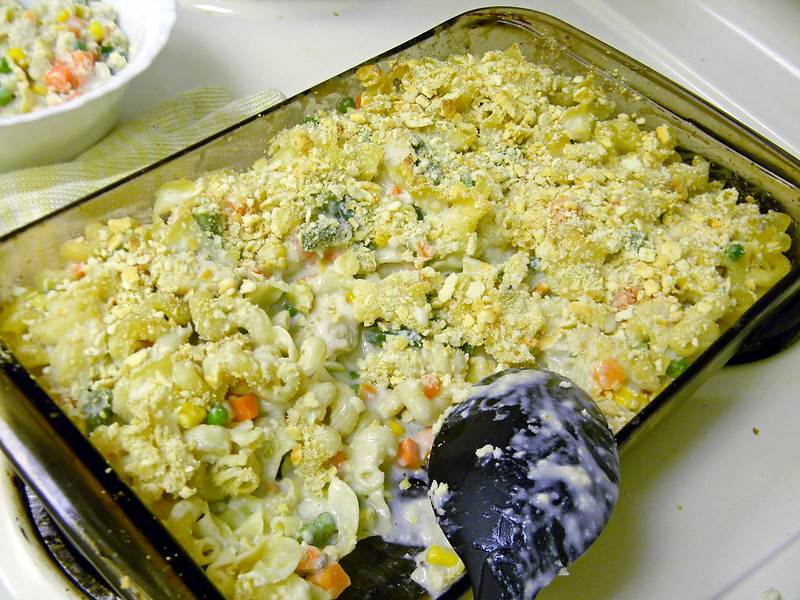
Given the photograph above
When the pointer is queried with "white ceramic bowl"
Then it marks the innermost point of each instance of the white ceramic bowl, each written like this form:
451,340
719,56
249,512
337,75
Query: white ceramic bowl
61,132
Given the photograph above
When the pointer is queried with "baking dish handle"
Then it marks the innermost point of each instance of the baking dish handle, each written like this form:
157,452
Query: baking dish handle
97,511
779,332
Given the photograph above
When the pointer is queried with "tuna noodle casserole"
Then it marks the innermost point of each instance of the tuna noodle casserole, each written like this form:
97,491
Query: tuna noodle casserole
265,360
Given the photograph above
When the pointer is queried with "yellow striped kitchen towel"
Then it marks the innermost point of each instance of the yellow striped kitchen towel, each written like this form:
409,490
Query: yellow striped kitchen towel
29,194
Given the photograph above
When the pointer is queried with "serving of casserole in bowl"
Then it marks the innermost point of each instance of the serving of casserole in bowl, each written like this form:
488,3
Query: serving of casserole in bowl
64,67
261,334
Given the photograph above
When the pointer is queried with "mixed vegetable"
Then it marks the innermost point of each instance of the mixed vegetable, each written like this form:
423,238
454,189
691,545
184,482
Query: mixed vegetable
56,51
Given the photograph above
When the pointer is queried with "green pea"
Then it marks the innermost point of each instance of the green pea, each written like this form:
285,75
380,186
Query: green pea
735,252
5,68
218,415
325,524
5,97
467,348
80,45
310,121
319,532
345,104
676,367
106,49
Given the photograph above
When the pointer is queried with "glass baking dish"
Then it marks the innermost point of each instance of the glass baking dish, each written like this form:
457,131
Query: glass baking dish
96,509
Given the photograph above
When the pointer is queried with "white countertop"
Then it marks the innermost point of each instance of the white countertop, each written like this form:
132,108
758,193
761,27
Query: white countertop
708,508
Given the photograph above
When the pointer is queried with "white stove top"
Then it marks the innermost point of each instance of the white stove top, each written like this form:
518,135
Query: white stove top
709,508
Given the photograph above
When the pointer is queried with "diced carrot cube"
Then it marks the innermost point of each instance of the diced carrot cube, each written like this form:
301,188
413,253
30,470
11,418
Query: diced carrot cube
408,454
77,270
624,298
244,407
60,78
430,385
332,579
608,374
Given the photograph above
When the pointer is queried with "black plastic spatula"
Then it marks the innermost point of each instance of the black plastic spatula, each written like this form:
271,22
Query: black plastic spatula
532,472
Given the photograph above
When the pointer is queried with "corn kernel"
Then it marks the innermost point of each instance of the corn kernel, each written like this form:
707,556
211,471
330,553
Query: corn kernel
381,240
190,415
441,556
18,56
38,88
349,297
396,428
627,398
62,16
97,31
80,11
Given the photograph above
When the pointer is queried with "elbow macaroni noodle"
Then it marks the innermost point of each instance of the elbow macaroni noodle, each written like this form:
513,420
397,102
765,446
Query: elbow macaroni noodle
251,359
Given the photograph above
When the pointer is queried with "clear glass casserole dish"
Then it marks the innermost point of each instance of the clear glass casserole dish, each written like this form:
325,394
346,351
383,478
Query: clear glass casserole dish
118,531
